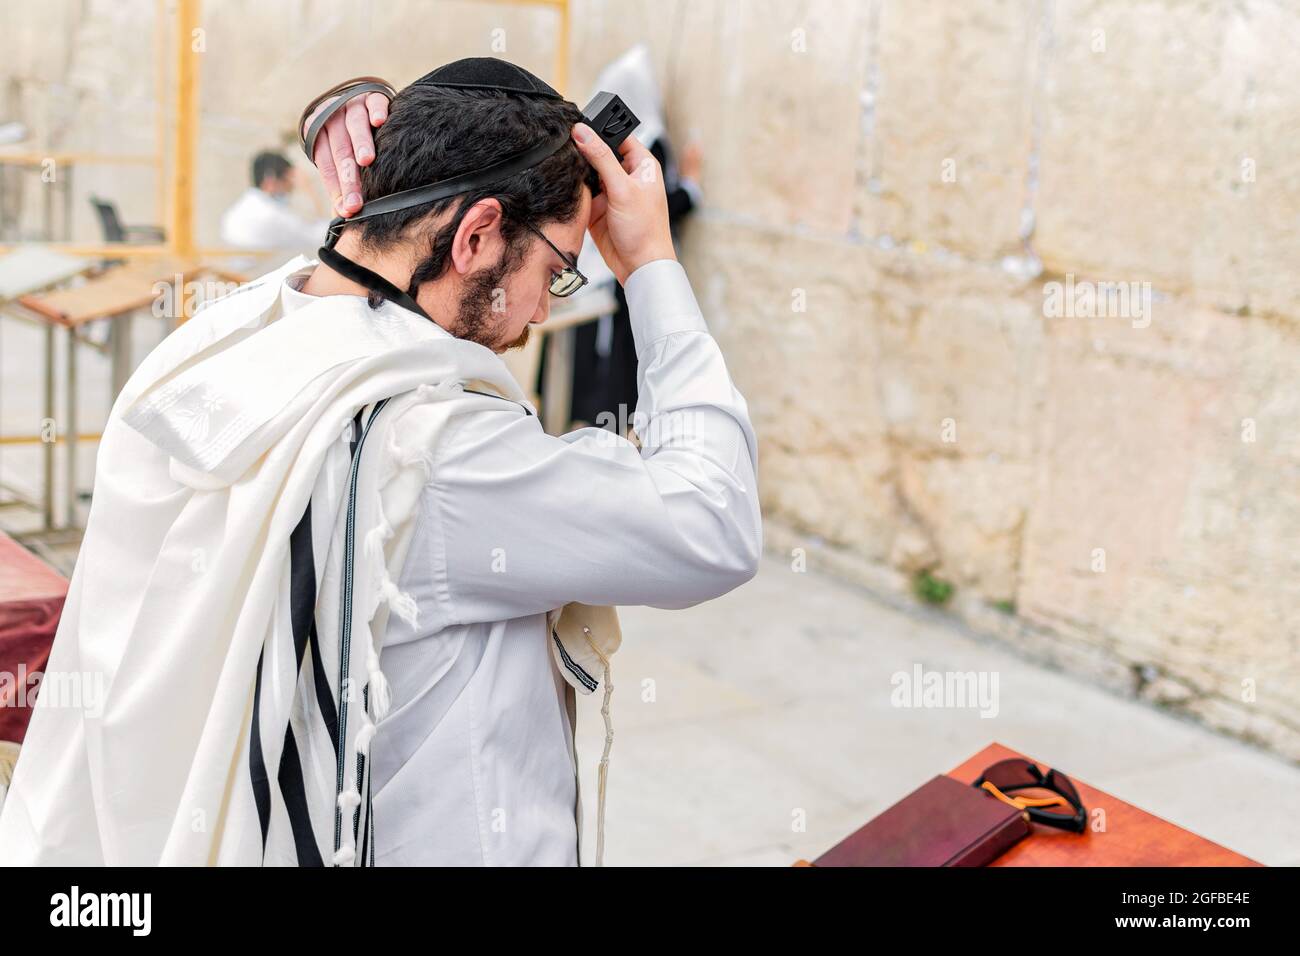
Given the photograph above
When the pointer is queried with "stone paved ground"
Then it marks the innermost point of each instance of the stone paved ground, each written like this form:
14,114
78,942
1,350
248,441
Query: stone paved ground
776,697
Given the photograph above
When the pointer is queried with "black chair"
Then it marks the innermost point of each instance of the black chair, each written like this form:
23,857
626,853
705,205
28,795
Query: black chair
114,231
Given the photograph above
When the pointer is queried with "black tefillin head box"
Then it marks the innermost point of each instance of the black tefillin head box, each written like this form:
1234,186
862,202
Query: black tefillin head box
610,118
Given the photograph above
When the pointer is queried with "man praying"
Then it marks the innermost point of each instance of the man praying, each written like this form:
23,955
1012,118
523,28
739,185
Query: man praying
341,584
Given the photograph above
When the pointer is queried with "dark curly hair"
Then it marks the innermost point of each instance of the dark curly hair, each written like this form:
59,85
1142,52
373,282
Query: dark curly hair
433,133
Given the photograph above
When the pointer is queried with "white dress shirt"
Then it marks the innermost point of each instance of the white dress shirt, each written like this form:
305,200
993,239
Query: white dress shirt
257,220
473,765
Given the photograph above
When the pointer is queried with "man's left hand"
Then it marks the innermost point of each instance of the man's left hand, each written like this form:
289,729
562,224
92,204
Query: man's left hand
344,144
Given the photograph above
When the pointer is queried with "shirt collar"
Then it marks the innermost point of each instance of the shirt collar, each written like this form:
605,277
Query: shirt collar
291,296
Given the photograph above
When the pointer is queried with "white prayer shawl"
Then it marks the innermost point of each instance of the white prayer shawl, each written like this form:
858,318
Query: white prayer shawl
236,629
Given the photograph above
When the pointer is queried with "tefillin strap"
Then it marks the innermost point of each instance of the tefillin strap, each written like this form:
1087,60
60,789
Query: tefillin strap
420,196
368,278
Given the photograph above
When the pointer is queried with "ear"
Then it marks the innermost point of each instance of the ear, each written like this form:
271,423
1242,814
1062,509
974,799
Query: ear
478,237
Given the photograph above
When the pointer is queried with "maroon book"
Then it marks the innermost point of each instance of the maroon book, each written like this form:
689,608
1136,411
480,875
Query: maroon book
944,823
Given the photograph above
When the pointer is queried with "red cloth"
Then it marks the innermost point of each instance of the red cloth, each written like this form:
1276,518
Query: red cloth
31,601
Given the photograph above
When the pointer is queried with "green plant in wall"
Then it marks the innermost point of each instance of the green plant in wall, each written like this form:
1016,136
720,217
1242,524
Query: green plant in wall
930,589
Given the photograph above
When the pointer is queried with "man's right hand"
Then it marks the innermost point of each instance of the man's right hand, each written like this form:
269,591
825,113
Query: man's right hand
629,220
346,142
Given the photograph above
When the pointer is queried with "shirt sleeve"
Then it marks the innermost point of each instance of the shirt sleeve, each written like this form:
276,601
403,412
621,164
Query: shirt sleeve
527,522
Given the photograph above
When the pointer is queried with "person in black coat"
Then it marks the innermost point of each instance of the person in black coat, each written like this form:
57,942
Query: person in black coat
604,366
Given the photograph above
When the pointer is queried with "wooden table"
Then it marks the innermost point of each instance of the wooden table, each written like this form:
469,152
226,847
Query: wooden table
57,172
1132,836
116,294
26,271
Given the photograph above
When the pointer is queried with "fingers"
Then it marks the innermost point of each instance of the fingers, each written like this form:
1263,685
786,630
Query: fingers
633,160
344,143
377,106
593,148
634,155
345,164
357,121
598,207
306,124
329,175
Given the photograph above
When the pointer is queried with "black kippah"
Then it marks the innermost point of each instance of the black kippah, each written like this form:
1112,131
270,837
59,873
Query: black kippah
487,73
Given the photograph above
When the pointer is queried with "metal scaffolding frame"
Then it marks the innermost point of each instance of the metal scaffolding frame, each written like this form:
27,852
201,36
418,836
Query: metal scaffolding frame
176,192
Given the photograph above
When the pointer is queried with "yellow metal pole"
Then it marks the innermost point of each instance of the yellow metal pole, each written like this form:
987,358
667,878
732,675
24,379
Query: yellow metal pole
180,234
40,439
180,211
160,111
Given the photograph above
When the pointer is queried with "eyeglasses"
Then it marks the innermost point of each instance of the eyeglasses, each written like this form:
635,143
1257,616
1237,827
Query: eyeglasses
1005,777
568,280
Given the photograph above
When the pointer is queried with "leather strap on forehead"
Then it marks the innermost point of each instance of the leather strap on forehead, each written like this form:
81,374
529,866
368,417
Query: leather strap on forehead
446,188
419,196
409,198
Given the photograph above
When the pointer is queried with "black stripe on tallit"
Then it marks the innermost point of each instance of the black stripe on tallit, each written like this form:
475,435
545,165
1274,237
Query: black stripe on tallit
361,778
295,802
367,853
302,595
256,762
302,614
356,433
324,696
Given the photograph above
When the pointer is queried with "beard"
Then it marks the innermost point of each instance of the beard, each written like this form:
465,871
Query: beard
475,318
519,342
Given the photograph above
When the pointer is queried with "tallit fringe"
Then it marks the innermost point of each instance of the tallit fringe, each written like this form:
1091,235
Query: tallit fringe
602,774
385,590
372,547
364,736
348,801
381,694
419,456
402,604
444,389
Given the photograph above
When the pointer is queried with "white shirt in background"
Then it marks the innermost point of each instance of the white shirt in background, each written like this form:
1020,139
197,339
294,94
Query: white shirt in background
258,220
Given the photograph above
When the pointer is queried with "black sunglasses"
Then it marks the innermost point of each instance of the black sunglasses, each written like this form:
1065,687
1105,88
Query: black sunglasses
1005,777
568,280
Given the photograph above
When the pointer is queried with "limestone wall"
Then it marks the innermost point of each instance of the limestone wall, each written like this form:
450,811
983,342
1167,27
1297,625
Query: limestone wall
1114,492
892,189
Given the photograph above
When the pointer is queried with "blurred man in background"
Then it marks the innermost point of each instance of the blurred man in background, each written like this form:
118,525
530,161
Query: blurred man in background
262,219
